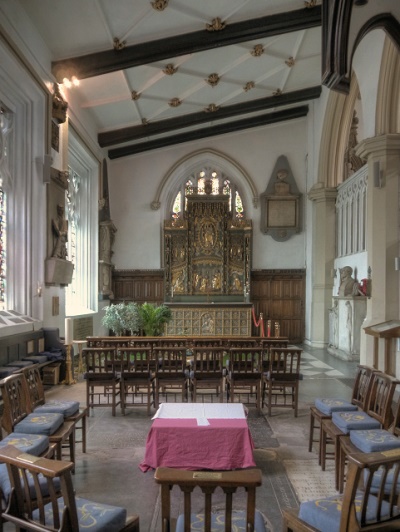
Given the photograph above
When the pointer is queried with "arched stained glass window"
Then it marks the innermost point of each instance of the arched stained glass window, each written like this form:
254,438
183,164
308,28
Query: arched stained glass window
196,184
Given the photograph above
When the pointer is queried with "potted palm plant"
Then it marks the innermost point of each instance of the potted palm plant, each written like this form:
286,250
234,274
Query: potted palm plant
153,318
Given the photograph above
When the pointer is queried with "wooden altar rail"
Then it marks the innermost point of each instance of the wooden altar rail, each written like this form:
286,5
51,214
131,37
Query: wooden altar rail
188,342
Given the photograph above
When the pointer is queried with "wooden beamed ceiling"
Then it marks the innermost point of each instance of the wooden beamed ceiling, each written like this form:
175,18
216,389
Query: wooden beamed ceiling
210,131
126,134
109,61
99,63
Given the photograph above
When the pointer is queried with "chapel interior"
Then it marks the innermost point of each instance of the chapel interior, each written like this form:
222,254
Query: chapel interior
237,162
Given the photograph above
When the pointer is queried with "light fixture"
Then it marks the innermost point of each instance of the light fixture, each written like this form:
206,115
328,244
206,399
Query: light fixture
68,83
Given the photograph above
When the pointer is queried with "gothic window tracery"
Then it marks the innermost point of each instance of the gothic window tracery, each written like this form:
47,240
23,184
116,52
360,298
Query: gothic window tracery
197,184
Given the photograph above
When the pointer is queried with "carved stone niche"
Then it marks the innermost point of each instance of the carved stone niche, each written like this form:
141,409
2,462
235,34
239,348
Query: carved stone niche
281,203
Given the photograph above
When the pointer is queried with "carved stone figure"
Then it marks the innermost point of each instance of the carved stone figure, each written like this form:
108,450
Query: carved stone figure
60,231
348,285
333,319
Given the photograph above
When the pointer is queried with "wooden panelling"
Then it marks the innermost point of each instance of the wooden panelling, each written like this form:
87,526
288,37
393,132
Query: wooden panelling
139,286
278,294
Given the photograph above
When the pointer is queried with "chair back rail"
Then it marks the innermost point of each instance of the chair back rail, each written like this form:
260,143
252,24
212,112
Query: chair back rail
208,482
370,500
15,401
138,360
284,363
27,510
380,398
34,387
245,360
362,385
208,360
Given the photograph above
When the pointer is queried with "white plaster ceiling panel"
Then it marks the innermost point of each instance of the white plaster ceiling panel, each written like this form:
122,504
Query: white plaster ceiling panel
144,93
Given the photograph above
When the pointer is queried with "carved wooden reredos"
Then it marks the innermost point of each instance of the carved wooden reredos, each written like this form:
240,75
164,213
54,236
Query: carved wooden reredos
207,253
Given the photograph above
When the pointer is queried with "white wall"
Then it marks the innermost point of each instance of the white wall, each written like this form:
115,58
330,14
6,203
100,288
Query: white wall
133,182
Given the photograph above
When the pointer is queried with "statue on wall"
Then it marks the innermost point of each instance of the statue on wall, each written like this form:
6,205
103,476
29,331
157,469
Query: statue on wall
60,231
348,285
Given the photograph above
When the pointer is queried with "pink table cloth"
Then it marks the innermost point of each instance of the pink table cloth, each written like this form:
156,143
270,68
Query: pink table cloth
182,443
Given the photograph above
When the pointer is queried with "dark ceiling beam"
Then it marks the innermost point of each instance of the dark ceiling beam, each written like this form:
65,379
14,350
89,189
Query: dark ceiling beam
211,131
107,61
126,134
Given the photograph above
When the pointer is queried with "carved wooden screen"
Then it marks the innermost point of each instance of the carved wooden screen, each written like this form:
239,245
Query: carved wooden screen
207,252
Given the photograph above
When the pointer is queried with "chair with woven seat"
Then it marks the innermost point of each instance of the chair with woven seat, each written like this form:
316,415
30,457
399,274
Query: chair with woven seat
213,484
324,407
377,413
374,506
281,381
244,373
102,381
137,377
63,514
71,410
171,372
18,417
206,372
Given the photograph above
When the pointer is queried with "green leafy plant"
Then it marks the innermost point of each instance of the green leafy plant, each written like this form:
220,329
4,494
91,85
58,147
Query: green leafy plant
122,317
153,318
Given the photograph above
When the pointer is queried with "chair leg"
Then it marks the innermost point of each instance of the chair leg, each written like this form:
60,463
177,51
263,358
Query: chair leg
296,399
322,448
270,399
311,433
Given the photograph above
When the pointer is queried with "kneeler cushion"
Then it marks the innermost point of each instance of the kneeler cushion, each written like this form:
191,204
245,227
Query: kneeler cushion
40,424
324,514
35,444
66,408
348,421
328,405
218,522
93,516
371,441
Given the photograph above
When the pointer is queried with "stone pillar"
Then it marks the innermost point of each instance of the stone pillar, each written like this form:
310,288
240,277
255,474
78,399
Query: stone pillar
382,232
323,256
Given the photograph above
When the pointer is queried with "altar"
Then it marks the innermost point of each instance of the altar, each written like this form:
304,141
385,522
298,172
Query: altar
209,319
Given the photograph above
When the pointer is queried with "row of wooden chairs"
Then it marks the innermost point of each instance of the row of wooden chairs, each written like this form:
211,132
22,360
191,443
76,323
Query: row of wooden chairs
188,342
370,408
130,376
364,436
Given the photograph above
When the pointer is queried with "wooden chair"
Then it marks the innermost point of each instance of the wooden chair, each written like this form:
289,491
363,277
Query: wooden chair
208,482
60,514
102,381
324,407
244,373
206,371
281,381
377,413
373,507
374,440
137,377
171,372
71,410
17,416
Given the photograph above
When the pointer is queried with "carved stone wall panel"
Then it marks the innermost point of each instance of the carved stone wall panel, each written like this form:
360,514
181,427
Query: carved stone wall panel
209,320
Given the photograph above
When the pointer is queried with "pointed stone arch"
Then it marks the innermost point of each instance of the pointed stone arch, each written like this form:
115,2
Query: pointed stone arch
188,164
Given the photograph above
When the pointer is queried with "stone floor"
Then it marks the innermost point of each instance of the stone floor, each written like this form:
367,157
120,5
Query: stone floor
109,471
